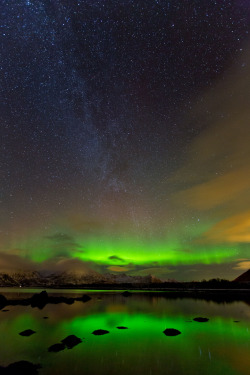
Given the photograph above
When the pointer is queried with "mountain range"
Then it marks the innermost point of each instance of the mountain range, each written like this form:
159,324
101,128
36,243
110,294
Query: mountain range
78,278
70,279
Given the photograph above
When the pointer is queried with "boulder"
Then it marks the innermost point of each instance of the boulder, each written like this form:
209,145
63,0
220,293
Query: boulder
71,341
27,332
100,332
39,300
22,367
201,320
61,299
56,347
127,293
3,301
85,298
171,332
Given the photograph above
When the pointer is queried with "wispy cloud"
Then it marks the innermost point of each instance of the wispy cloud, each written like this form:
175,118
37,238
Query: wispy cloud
116,258
244,266
214,181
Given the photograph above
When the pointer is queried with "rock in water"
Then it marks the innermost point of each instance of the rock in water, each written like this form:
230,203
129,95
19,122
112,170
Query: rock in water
22,367
99,332
85,298
3,300
121,327
171,332
56,347
39,300
126,293
27,332
201,320
71,341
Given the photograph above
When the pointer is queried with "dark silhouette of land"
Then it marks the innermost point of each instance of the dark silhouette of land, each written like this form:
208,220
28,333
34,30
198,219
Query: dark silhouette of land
243,278
217,290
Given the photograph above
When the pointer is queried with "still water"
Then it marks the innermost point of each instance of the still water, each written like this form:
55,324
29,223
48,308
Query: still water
219,346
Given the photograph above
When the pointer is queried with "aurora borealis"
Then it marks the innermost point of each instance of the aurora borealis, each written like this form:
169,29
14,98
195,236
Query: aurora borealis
125,132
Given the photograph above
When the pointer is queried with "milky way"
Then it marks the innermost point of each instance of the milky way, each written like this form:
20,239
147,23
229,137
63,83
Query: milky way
125,133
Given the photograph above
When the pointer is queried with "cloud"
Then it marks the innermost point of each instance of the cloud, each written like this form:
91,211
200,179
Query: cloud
116,258
218,190
214,180
161,272
119,268
62,264
63,244
234,229
243,266
13,262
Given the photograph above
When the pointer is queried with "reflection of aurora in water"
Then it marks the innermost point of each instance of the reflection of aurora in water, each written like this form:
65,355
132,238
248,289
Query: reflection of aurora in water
221,345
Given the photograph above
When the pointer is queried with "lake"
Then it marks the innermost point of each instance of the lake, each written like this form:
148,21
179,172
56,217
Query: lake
219,346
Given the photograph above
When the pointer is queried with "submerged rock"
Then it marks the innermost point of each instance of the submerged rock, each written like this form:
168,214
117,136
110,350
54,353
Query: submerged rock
56,300
126,293
27,332
22,367
71,341
39,300
85,298
56,347
171,332
201,320
121,327
99,332
3,300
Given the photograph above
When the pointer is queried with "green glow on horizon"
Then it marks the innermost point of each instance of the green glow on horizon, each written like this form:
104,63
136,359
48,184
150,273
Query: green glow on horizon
146,252
139,252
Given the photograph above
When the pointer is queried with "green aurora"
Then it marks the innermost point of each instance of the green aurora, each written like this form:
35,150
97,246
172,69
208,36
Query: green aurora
134,251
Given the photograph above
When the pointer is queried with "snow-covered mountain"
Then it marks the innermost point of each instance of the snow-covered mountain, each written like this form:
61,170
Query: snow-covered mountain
33,278
127,279
20,278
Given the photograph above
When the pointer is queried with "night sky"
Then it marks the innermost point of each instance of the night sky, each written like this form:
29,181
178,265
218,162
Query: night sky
125,133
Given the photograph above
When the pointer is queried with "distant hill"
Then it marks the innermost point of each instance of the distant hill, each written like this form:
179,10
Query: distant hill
243,278
28,278
71,279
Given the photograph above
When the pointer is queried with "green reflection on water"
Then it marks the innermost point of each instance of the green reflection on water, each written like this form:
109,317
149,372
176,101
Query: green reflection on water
215,347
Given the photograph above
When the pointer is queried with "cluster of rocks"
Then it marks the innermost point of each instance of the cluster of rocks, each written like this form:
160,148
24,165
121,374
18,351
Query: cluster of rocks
40,300
69,342
21,367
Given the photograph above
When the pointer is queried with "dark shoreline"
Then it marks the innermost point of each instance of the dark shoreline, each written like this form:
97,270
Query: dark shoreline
43,298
